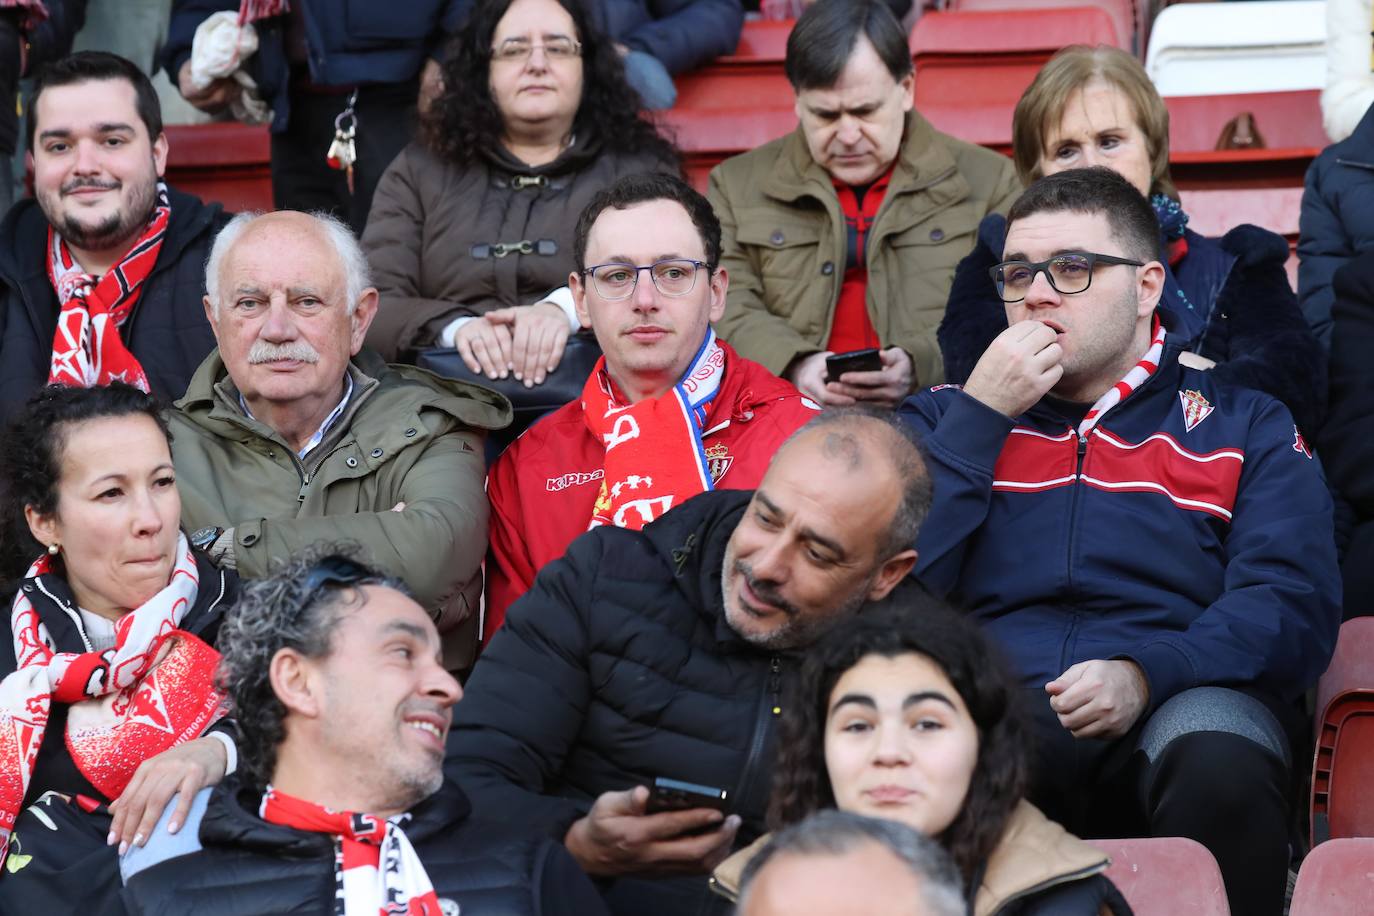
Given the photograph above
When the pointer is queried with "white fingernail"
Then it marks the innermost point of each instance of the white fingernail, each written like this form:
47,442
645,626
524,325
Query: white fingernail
123,848
110,839
173,826
138,839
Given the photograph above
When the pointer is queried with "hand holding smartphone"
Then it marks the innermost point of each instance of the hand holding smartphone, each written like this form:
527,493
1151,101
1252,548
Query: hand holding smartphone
853,361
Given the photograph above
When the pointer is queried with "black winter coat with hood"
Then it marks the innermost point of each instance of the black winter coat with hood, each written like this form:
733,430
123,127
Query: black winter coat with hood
615,668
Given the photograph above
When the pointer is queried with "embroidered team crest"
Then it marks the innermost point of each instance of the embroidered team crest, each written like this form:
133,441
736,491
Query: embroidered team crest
1299,443
718,461
1195,408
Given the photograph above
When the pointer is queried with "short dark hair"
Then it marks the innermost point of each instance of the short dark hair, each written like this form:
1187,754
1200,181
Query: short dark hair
824,37
900,447
641,189
1095,190
910,620
35,448
297,606
836,833
92,66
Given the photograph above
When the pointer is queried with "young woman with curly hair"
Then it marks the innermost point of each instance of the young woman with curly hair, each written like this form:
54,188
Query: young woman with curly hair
470,234
906,714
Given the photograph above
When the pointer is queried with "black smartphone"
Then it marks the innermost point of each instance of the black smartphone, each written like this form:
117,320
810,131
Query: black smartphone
676,795
853,361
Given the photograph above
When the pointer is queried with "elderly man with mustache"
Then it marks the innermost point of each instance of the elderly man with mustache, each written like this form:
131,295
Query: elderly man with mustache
291,433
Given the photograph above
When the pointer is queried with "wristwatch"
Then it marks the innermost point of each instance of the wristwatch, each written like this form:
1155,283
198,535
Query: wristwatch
205,538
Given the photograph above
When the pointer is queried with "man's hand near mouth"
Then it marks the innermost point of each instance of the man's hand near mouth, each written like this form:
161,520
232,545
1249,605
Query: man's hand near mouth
1018,368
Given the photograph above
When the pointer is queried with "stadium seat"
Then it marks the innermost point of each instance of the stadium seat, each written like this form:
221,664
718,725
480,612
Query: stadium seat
752,77
1255,46
226,162
1336,877
971,67
1166,876
707,138
1286,120
1128,16
1343,767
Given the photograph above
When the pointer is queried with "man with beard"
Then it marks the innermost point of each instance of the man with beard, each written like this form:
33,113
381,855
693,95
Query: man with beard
290,432
103,269
1151,545
339,805
661,653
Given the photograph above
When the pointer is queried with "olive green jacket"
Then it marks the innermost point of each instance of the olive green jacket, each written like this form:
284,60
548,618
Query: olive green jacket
406,436
783,243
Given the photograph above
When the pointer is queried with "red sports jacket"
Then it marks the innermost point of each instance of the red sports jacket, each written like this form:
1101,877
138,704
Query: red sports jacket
543,487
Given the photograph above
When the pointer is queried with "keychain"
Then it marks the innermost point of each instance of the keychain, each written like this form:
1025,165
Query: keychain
343,152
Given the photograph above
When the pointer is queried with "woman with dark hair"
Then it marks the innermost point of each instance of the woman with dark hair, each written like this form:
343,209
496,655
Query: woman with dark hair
106,690
470,235
906,714
1230,297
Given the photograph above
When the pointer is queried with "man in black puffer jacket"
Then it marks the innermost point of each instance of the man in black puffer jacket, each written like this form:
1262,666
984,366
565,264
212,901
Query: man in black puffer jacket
661,653
339,803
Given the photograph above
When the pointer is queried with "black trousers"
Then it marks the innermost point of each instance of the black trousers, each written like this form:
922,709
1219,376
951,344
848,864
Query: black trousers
1211,764
301,180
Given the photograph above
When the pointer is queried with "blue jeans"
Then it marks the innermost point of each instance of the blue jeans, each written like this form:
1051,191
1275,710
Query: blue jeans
647,76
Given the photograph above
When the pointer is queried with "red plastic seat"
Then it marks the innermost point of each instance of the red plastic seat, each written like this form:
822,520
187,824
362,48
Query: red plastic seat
763,40
752,77
708,138
1343,767
226,162
1166,876
1286,120
1128,16
1336,877
972,67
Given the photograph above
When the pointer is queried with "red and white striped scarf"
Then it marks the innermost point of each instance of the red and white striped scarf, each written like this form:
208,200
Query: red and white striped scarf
253,10
654,456
363,887
87,349
1148,366
127,704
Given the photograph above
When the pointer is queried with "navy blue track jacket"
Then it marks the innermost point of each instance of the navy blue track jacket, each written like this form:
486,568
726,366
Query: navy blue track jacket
1190,531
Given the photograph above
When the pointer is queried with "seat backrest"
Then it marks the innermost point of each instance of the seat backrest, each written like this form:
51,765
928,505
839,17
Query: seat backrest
1336,877
763,40
1122,13
1352,664
1254,46
988,33
1286,120
1166,876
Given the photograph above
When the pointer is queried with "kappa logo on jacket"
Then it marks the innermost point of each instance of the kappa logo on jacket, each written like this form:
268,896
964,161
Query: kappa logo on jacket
573,479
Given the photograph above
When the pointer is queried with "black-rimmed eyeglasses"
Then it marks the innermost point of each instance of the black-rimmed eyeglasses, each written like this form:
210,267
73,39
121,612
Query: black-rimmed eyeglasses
672,277
1068,273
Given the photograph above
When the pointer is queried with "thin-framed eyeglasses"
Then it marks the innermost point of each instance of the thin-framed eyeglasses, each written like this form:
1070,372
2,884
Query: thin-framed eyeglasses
556,47
671,277
1068,273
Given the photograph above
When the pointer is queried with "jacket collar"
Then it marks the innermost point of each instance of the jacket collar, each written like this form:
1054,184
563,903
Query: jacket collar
922,162
231,819
1034,853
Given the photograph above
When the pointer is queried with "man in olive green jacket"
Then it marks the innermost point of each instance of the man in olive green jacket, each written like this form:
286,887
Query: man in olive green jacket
844,235
290,433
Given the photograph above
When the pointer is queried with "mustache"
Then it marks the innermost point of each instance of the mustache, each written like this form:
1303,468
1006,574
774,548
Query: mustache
766,591
76,184
265,352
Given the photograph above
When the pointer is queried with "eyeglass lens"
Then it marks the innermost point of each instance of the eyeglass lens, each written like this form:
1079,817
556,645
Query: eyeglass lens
559,46
1069,273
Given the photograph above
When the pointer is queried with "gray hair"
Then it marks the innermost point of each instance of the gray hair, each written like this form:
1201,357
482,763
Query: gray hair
357,272
284,610
897,443
835,833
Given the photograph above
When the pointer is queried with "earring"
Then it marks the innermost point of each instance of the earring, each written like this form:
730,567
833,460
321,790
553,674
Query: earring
53,549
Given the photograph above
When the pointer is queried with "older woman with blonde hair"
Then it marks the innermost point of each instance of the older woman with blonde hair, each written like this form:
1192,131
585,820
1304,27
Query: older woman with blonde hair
1095,106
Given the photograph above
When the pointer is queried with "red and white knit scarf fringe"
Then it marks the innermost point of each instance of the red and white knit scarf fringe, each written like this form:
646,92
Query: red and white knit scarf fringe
253,10
362,843
654,455
87,349
1148,366
123,710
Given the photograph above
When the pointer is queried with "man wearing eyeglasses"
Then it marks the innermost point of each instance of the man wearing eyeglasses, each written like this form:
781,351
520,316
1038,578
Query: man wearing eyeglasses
668,412
1151,544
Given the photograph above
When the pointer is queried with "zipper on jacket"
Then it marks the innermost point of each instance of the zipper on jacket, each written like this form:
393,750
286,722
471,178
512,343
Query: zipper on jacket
1073,508
769,708
71,612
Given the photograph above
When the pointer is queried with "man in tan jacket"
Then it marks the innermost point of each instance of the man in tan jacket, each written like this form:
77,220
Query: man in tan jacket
844,235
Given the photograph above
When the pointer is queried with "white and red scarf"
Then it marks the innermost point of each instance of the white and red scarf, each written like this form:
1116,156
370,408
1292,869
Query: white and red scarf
253,10
151,691
87,349
376,870
1148,366
654,456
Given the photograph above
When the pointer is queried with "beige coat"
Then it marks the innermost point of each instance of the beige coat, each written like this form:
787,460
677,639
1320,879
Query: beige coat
783,241
1035,854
